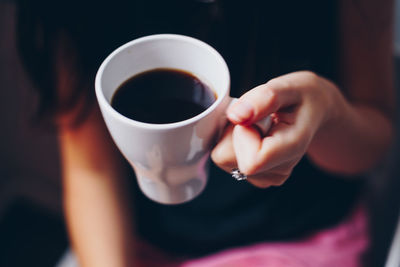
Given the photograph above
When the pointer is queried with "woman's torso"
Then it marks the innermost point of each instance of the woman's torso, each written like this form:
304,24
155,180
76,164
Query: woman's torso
259,40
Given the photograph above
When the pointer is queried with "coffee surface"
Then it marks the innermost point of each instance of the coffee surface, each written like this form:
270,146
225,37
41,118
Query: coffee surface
162,96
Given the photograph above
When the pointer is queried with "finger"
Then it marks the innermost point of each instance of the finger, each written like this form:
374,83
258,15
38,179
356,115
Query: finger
246,143
286,142
263,100
255,154
288,139
223,153
273,177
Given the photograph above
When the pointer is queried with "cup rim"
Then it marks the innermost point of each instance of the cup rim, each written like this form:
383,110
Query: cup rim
108,108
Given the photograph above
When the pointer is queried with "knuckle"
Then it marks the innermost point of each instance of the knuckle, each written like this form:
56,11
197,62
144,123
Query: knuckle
221,158
217,154
312,78
273,98
214,155
279,82
223,153
309,74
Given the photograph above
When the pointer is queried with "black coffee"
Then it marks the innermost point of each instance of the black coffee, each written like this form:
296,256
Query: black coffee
162,96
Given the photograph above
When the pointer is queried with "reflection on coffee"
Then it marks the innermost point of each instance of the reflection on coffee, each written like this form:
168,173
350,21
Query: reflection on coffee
162,96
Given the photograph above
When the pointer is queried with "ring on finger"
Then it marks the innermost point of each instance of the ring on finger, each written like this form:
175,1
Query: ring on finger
238,175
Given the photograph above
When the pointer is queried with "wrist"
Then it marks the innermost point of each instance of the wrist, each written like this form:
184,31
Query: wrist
334,112
335,105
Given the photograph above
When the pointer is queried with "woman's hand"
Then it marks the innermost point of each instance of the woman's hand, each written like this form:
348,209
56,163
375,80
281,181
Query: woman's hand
300,104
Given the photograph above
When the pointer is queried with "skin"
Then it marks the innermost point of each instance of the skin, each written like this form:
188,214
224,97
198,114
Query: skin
311,117
342,134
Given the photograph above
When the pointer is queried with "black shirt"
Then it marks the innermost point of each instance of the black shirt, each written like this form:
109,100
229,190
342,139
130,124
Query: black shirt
259,40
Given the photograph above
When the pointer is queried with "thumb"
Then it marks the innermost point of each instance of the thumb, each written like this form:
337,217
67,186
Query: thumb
261,101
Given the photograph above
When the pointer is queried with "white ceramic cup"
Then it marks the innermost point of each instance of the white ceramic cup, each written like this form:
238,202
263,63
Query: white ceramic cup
170,160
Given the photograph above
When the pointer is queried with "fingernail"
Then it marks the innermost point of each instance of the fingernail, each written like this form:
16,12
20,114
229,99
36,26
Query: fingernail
240,112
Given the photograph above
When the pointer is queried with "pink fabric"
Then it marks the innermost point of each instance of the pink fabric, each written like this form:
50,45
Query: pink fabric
342,245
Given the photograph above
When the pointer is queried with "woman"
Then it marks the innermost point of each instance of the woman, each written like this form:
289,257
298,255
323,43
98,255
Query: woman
322,70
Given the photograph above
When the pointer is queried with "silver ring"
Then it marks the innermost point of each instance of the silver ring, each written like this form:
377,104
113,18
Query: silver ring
237,175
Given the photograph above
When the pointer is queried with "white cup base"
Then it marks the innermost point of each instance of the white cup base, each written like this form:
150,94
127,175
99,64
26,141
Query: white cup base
170,194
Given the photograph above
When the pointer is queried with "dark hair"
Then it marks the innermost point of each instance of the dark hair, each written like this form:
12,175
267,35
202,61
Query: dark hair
57,38
44,39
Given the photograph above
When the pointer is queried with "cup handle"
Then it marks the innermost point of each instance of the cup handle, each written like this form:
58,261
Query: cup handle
262,125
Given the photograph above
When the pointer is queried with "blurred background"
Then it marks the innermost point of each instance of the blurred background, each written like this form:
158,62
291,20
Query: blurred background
31,225
32,232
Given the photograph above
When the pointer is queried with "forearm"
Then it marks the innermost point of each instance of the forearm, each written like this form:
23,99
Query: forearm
96,196
99,220
355,140
359,135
